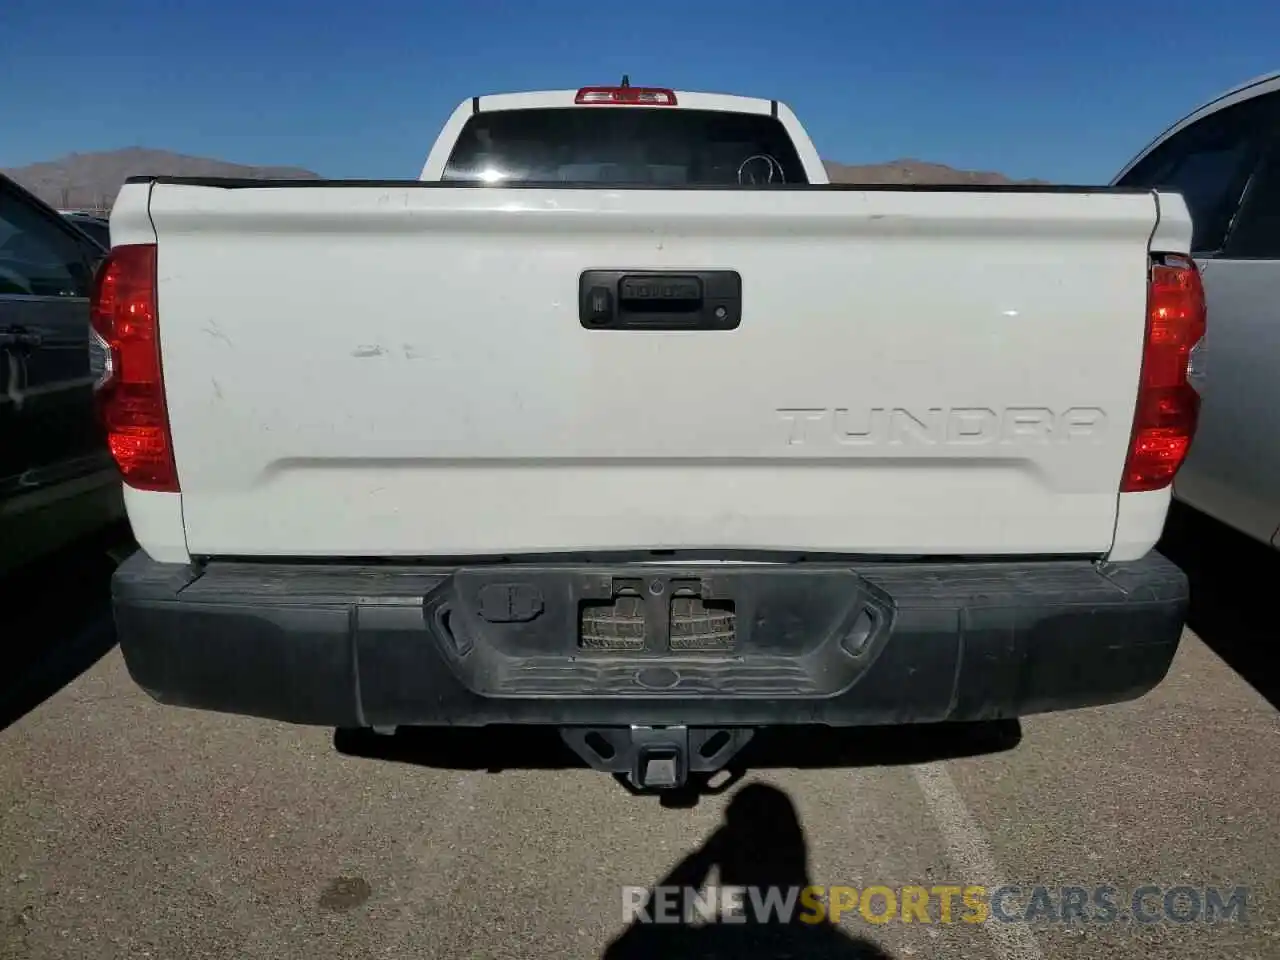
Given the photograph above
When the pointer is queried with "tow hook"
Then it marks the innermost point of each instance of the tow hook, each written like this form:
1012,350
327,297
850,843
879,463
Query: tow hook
656,758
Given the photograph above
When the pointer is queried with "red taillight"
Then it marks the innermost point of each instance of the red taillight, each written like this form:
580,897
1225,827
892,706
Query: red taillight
130,392
1168,406
632,96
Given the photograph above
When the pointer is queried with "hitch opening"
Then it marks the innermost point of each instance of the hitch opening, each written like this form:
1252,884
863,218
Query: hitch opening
656,758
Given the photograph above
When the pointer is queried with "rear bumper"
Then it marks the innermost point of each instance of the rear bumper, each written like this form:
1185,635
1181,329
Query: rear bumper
811,643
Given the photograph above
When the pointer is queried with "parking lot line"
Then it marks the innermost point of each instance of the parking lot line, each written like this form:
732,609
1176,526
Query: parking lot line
970,854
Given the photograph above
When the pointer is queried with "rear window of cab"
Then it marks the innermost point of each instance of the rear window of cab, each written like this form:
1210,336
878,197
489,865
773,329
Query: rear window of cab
625,146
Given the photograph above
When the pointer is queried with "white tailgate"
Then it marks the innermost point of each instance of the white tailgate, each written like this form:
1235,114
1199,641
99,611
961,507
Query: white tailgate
400,370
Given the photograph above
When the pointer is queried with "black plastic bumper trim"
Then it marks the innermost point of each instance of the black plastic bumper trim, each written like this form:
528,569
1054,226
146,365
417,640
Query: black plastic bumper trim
363,645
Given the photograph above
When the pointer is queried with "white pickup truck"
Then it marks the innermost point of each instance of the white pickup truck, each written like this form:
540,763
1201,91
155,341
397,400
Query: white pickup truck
621,419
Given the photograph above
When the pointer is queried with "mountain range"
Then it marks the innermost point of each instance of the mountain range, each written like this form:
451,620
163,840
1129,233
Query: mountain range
91,180
906,171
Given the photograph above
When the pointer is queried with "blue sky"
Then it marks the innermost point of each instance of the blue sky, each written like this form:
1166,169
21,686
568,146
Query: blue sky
1066,91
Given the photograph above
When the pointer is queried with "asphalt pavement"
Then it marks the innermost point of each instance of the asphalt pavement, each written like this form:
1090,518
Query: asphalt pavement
128,829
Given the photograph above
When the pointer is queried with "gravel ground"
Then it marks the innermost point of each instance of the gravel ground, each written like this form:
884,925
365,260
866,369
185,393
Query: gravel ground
128,829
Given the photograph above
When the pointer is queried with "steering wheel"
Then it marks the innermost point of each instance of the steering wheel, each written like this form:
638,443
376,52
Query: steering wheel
760,168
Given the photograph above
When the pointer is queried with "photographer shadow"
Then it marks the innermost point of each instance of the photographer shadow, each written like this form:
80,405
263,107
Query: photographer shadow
761,845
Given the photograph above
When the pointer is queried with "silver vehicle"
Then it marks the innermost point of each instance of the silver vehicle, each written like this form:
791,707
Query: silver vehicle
1225,160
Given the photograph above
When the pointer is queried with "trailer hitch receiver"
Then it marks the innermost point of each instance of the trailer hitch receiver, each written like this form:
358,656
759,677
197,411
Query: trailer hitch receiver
656,758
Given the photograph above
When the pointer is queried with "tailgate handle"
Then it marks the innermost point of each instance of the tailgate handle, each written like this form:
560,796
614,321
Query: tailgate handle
640,300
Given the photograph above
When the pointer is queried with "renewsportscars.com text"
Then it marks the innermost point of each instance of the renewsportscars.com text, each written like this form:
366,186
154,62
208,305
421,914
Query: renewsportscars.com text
935,904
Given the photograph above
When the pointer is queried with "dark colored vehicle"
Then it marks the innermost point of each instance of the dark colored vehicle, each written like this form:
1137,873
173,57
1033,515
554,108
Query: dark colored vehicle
57,480
98,228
